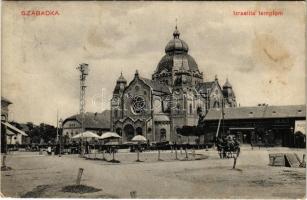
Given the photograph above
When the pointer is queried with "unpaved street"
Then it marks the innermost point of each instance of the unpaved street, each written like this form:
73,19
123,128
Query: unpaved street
45,176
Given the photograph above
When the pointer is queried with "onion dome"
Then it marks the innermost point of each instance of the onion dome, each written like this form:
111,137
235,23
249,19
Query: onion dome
176,57
121,79
176,45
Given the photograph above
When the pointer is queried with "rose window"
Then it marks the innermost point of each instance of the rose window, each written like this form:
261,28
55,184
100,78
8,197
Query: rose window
138,104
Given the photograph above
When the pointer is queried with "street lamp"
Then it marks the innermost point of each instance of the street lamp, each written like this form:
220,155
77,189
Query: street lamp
60,136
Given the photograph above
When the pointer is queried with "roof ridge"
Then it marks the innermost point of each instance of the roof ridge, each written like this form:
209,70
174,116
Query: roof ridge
259,112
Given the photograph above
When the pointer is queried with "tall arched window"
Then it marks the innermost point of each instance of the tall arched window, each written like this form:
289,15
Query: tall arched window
178,130
191,109
162,134
178,108
119,131
139,131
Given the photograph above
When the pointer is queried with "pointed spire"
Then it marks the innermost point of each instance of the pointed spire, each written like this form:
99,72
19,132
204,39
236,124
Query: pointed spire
176,33
121,78
227,84
215,78
136,73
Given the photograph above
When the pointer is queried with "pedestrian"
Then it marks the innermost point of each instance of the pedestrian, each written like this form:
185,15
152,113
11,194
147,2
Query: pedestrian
87,146
49,151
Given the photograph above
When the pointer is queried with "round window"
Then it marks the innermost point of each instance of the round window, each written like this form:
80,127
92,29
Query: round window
138,104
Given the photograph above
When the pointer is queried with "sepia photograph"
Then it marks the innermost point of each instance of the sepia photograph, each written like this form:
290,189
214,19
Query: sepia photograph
153,100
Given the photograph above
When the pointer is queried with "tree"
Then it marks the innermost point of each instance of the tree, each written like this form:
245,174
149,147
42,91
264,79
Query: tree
44,132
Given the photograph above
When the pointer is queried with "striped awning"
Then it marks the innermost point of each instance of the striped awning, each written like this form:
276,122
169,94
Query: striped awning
14,129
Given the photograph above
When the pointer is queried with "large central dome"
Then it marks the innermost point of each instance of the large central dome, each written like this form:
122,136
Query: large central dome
177,56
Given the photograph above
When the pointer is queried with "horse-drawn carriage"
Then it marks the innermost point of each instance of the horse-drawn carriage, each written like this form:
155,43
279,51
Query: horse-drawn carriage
228,147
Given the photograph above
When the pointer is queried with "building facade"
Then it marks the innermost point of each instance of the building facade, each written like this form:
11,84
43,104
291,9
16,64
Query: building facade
94,122
175,96
4,118
263,124
9,133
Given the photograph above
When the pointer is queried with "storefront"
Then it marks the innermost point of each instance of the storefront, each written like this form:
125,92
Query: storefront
266,125
243,135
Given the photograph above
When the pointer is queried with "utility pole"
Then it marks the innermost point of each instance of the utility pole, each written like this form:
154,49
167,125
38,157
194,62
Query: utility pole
57,126
223,104
83,68
60,136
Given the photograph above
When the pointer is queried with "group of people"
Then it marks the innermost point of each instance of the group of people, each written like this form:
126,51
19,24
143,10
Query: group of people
228,146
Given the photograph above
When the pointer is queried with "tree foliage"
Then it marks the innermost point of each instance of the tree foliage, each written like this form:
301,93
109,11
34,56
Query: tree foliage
42,133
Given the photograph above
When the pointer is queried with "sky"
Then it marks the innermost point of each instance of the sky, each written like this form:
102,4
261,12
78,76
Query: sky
263,57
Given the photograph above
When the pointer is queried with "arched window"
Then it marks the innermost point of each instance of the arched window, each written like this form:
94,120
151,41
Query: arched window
178,108
178,130
216,103
139,131
115,113
129,131
162,134
119,131
191,109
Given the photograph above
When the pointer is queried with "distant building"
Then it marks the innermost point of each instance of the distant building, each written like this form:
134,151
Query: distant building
4,118
21,137
9,133
95,122
5,108
175,96
271,125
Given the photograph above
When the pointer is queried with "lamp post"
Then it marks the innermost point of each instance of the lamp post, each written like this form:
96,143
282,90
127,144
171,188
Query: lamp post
57,127
3,141
60,136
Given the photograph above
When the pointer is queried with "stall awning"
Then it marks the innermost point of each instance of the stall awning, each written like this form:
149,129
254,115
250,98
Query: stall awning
14,129
300,126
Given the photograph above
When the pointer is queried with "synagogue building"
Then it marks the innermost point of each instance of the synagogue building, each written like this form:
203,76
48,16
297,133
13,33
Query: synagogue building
175,96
